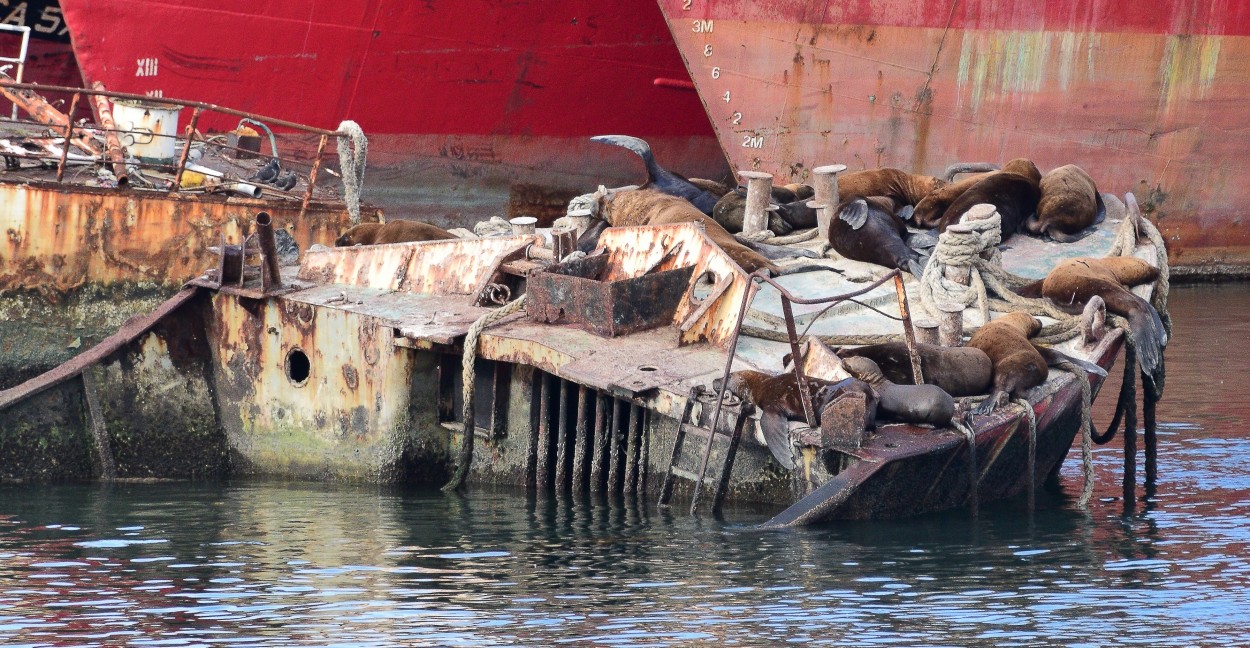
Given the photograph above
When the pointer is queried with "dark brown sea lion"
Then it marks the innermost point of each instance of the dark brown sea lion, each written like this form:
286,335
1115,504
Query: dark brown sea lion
396,231
866,229
662,179
779,401
1069,203
1073,282
1014,196
930,210
730,213
915,404
960,371
1018,365
906,188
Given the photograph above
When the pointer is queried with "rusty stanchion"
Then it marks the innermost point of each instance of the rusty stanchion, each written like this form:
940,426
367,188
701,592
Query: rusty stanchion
69,132
186,149
112,145
312,176
909,335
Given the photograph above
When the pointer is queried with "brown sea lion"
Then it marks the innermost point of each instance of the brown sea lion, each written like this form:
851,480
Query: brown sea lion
906,188
779,401
396,231
960,371
915,404
1014,196
650,207
711,186
866,229
661,179
1069,203
1018,365
730,213
1073,282
931,208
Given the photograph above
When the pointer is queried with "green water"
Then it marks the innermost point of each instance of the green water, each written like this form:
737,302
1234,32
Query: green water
264,564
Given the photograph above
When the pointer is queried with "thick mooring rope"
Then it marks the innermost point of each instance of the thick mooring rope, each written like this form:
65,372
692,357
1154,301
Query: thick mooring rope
352,161
974,476
1032,457
1087,450
468,378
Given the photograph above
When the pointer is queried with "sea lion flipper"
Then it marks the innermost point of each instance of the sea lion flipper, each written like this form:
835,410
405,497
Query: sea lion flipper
1054,357
1064,237
777,251
906,212
1100,213
854,213
777,435
915,267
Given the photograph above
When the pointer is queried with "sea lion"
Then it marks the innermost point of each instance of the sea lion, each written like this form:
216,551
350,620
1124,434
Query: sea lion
779,401
1018,365
930,210
396,231
1073,282
661,179
730,213
1069,203
915,404
960,371
906,188
1014,196
650,207
866,229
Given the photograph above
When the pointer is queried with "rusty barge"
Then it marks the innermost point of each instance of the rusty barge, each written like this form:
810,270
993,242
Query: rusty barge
588,374
111,224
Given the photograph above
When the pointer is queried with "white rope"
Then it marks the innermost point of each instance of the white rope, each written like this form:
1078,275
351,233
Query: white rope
1032,456
352,161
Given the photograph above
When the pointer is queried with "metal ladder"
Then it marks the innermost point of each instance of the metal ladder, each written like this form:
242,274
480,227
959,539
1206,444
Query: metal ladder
718,482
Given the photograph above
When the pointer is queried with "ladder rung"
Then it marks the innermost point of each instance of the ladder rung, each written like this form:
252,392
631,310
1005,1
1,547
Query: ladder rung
686,474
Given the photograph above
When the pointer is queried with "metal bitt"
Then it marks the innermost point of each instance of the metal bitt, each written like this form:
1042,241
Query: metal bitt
825,184
268,248
759,190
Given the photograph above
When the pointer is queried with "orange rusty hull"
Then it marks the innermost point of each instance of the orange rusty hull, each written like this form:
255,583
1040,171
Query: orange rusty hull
76,262
1148,99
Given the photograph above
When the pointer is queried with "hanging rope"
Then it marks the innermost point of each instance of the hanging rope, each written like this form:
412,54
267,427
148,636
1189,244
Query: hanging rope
974,476
352,160
468,378
1032,457
1087,450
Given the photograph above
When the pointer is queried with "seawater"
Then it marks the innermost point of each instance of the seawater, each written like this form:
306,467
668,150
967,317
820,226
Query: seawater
272,564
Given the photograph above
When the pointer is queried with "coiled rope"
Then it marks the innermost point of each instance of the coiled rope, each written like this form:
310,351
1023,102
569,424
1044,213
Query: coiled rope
352,161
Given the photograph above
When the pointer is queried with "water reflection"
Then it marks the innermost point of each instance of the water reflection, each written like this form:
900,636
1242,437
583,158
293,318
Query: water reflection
281,564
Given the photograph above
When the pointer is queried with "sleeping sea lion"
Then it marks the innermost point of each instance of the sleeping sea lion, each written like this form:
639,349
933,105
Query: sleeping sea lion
396,231
661,179
866,229
1069,203
1073,282
730,213
931,208
1018,365
960,371
1014,192
906,188
915,404
650,207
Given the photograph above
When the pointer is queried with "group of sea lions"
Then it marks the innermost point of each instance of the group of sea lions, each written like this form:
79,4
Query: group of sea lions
999,361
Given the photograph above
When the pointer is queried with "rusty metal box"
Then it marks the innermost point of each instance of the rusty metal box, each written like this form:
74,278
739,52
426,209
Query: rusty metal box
572,293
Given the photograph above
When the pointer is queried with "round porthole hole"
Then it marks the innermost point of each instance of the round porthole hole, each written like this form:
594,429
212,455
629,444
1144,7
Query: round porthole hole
297,367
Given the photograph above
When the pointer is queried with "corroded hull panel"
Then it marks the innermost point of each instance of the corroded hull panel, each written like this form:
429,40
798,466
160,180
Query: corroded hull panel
1147,98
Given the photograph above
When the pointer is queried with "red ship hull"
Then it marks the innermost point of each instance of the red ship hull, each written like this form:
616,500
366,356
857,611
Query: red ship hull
472,109
1148,97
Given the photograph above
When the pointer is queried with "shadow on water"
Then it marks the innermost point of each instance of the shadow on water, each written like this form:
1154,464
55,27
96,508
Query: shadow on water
270,564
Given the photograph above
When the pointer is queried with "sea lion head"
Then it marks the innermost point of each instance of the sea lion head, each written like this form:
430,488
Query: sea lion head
865,369
362,234
1023,322
1024,167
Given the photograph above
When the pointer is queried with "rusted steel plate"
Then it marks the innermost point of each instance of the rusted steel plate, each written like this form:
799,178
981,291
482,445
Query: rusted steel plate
635,250
453,267
1145,97
433,318
55,238
573,293
133,328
